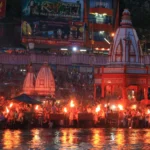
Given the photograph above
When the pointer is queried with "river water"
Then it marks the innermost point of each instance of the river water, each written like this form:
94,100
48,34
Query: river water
75,139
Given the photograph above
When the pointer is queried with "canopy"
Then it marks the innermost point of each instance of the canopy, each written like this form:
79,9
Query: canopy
26,99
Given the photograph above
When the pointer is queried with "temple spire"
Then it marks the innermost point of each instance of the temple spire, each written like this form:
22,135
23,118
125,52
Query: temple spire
126,19
28,85
126,49
45,83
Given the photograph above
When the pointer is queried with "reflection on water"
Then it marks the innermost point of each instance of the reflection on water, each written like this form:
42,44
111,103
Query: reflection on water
75,139
11,139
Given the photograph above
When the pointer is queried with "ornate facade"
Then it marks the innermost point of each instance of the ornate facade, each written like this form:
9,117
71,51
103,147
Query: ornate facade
125,76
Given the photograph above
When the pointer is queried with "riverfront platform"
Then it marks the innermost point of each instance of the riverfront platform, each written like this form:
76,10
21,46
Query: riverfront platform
85,120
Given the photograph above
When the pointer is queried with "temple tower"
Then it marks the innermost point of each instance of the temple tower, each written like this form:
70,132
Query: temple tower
125,48
125,77
45,83
29,81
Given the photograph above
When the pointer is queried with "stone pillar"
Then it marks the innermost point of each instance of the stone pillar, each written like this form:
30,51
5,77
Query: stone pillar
111,92
124,88
103,91
124,96
124,93
145,93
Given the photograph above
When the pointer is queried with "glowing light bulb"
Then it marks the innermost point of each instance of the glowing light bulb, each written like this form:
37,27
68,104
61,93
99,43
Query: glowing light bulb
74,49
113,34
11,105
72,103
120,107
7,110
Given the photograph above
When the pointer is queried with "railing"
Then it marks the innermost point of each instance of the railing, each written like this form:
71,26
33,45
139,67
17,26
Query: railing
53,59
85,59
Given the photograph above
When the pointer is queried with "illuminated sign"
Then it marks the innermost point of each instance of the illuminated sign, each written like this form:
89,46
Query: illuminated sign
51,8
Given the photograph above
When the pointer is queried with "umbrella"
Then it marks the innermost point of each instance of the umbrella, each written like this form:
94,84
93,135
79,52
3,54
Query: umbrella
26,99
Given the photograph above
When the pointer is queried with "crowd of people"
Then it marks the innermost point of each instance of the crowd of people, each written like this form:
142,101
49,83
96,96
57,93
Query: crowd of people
78,84
67,82
71,114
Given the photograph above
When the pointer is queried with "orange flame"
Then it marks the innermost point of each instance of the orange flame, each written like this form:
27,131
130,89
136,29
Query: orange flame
120,107
97,108
65,110
7,110
113,107
11,105
105,105
134,106
72,103
37,107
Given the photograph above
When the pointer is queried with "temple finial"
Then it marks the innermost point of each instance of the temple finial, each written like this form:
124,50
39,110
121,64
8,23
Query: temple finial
126,18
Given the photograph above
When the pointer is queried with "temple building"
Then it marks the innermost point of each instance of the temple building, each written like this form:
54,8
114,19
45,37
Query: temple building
125,77
43,84
29,81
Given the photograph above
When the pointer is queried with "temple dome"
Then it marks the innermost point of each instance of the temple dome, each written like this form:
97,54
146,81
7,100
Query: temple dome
28,85
45,83
126,48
